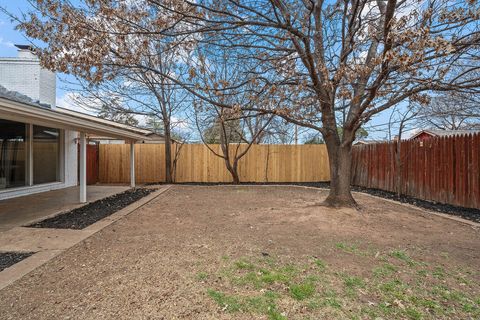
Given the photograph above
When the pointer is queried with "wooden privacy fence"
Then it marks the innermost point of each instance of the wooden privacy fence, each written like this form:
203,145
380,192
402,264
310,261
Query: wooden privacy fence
445,169
262,163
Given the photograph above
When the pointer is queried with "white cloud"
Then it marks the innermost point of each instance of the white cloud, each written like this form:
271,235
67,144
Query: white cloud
142,119
6,43
70,100
180,124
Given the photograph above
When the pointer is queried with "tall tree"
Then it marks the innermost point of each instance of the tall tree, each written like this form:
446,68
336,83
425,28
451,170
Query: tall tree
117,114
97,40
451,111
330,60
350,59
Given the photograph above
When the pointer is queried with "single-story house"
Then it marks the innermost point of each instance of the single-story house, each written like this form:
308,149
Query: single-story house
428,134
39,145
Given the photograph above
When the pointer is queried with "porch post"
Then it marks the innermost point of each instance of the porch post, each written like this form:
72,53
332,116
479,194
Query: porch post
83,168
30,155
132,164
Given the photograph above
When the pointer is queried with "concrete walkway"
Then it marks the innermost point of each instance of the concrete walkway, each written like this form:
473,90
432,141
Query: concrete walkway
24,210
48,243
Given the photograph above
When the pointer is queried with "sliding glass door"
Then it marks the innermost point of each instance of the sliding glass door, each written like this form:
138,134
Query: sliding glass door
13,154
29,154
46,154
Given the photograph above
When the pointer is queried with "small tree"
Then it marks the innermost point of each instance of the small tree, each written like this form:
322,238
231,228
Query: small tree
221,126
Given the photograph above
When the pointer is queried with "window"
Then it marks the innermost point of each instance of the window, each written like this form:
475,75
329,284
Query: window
46,154
13,151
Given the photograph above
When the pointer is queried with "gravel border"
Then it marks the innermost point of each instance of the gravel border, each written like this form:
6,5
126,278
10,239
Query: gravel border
462,212
8,259
90,213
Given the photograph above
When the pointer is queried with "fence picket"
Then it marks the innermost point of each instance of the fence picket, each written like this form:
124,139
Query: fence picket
445,169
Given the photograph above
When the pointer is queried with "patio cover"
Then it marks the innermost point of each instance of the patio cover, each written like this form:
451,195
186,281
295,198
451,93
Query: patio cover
18,107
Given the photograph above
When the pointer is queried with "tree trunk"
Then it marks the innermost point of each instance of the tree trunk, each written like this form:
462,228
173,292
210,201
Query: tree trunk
340,161
233,171
168,153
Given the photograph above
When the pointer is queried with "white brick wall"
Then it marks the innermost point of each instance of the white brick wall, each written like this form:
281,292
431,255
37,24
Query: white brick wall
24,75
48,88
71,158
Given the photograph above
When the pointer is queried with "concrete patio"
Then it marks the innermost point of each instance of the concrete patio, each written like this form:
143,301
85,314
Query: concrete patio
24,210
47,243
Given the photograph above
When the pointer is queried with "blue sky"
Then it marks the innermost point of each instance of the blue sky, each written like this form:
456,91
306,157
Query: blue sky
9,36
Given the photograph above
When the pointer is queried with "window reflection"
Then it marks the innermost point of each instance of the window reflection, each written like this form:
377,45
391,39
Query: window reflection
12,154
46,149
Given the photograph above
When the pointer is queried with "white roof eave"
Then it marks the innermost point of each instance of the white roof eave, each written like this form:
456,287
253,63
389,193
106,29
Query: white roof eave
17,111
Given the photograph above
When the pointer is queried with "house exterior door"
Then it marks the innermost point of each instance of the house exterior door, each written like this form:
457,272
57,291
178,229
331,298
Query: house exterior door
92,163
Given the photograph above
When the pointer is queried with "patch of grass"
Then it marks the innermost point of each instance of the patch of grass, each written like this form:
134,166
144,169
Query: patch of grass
394,290
320,263
413,313
346,247
302,291
463,279
422,273
447,294
384,270
275,315
393,287
403,256
226,302
244,265
425,303
439,273
444,255
272,277
262,277
250,278
201,276
330,300
353,282
263,304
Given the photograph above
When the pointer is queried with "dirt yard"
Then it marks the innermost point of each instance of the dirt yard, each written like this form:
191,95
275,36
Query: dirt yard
263,253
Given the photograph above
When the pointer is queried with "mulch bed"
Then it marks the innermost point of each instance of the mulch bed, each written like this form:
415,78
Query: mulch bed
8,259
462,212
465,213
82,217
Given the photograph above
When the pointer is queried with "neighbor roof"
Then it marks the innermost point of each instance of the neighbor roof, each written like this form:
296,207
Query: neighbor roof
368,142
444,133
